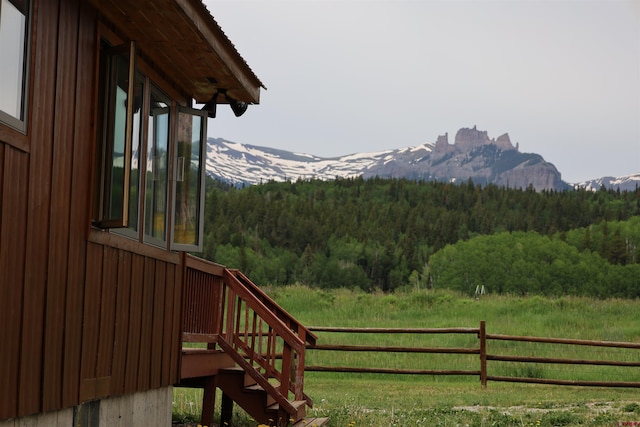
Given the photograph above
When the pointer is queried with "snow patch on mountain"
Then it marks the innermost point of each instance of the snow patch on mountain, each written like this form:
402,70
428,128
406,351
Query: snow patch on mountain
624,183
247,164
473,156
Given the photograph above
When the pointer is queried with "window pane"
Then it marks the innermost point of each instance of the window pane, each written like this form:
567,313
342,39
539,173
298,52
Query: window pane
157,168
188,176
134,185
120,128
119,108
12,65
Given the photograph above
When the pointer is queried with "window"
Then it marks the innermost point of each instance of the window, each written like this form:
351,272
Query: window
189,179
14,43
117,80
135,179
151,170
157,172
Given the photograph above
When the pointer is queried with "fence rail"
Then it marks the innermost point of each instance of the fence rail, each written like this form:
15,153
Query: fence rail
483,355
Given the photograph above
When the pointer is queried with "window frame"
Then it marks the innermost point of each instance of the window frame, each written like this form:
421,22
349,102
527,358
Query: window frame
7,119
155,86
132,228
103,218
198,245
155,90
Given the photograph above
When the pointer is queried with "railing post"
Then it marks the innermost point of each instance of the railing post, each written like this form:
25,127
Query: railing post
482,335
218,309
285,373
231,308
298,379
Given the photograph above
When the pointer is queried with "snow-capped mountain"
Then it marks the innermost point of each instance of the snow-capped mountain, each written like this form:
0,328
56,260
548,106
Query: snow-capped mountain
624,183
473,155
248,164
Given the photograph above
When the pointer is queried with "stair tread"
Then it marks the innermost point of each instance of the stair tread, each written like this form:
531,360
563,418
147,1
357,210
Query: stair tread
311,422
232,370
194,350
254,387
295,403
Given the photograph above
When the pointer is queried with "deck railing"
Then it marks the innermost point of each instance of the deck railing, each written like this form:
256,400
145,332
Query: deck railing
224,308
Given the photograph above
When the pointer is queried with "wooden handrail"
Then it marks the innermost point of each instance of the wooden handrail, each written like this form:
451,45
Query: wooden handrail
242,311
242,284
259,379
291,374
204,265
282,314
267,315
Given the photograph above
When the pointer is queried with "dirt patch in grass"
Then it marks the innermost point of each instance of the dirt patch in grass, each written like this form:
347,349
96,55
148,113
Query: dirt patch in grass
593,408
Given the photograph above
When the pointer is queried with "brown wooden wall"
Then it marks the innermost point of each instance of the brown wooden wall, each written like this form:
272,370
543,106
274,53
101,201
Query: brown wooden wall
83,314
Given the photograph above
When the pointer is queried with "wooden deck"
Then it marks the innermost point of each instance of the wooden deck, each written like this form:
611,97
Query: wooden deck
253,350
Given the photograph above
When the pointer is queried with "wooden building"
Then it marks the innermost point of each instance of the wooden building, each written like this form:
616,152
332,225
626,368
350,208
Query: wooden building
101,196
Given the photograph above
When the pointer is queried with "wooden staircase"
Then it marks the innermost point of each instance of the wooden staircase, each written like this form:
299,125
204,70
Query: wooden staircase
254,349
255,400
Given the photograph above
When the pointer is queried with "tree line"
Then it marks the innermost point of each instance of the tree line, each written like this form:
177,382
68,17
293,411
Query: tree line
389,233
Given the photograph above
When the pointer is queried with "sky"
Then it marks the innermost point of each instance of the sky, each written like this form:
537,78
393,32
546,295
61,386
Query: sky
562,78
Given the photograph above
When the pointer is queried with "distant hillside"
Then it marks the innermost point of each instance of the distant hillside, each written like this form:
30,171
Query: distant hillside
623,183
375,233
473,155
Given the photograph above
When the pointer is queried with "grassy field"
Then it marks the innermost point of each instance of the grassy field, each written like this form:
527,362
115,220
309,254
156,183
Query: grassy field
402,400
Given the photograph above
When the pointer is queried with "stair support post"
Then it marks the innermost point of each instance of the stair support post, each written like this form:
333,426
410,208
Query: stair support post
226,410
208,401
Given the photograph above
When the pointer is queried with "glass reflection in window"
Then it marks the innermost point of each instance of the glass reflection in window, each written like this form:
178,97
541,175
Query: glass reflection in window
13,48
157,167
134,182
188,178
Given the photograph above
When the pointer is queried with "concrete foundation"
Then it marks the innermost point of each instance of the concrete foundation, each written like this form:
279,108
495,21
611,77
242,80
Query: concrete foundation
150,408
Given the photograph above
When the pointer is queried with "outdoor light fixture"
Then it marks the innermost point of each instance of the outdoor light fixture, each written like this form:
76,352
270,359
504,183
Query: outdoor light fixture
238,107
210,105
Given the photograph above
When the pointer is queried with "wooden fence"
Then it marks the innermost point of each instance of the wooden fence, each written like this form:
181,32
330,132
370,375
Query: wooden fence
481,350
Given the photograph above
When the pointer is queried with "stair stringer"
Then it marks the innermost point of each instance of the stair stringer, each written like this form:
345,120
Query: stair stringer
264,402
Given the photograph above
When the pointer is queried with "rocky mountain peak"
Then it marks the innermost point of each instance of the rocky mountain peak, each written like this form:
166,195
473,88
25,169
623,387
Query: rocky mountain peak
504,143
467,139
474,155
442,145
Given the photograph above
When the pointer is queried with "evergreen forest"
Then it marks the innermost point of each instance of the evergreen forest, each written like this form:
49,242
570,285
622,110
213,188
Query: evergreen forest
388,234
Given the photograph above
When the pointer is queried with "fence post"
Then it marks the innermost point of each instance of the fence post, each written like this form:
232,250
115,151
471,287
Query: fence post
483,354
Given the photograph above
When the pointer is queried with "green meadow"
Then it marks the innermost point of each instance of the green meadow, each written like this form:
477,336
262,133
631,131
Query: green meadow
401,400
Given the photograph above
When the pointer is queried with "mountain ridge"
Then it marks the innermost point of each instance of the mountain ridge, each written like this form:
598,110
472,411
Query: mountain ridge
473,155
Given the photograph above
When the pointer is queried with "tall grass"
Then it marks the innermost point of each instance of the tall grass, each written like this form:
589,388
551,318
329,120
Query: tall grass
566,317
385,400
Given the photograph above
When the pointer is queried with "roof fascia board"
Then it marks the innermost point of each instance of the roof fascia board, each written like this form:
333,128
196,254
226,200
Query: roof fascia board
222,46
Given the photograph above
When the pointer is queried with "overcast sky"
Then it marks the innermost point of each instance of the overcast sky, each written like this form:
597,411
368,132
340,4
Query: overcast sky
561,77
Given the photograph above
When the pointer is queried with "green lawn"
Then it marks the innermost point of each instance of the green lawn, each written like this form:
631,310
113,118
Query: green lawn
403,400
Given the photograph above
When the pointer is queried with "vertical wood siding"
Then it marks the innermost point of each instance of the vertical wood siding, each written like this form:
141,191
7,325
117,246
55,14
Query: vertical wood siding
60,205
14,173
79,216
79,319
39,198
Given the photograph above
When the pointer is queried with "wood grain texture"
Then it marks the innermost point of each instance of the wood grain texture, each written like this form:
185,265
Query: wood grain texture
12,260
